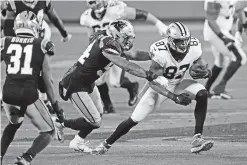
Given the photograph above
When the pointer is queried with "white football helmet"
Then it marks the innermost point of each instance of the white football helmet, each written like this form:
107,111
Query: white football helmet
122,31
98,6
26,24
179,37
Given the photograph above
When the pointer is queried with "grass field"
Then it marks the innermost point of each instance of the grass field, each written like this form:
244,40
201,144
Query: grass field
164,137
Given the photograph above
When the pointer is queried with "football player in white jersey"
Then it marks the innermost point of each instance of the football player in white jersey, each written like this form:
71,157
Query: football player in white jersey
98,17
241,27
217,31
171,58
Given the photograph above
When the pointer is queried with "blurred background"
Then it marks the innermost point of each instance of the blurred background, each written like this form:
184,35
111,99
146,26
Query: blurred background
165,10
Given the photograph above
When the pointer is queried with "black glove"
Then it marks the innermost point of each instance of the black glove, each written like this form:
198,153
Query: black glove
227,41
59,111
182,99
151,76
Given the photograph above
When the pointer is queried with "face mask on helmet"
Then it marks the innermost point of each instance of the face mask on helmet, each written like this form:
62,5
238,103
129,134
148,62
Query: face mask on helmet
123,32
26,24
29,1
178,37
98,6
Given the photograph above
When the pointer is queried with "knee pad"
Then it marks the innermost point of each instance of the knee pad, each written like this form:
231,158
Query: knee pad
202,95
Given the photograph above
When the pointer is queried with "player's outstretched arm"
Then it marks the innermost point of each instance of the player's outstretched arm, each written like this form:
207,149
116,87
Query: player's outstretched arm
50,90
160,85
138,14
130,67
57,22
137,55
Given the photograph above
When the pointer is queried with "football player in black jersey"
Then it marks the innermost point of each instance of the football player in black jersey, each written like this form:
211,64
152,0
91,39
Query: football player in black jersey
78,84
26,55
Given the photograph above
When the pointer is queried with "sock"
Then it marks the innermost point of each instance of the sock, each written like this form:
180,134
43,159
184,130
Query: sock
127,84
40,143
200,110
81,125
104,93
121,130
230,71
215,73
8,136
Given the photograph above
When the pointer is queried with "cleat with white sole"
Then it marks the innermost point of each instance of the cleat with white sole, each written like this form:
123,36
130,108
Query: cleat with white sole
101,149
199,144
79,144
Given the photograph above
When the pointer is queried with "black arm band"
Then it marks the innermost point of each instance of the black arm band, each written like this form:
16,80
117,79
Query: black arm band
8,27
141,14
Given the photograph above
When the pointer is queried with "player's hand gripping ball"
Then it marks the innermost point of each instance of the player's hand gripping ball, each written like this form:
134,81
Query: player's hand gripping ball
198,71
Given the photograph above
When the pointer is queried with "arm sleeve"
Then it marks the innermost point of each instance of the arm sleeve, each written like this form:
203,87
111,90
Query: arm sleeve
110,46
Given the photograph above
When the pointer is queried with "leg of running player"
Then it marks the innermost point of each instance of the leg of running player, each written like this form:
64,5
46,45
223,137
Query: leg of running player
148,103
89,105
104,93
238,58
216,69
198,93
15,121
117,79
41,119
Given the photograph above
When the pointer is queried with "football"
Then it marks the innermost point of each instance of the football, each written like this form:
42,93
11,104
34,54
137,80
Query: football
197,70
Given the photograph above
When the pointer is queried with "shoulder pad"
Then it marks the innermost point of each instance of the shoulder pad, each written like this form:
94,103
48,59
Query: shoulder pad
84,17
48,47
159,54
11,5
110,46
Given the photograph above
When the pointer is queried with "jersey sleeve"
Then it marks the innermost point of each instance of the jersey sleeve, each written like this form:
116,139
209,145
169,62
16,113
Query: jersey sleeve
196,48
110,46
157,55
48,47
84,17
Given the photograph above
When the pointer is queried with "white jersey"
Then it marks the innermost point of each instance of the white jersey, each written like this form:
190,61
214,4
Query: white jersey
173,70
114,11
225,17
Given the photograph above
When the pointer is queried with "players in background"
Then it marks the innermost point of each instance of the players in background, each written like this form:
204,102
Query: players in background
98,17
217,31
78,84
26,55
171,58
39,8
241,27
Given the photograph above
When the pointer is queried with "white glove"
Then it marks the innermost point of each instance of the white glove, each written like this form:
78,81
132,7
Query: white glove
66,39
161,28
238,39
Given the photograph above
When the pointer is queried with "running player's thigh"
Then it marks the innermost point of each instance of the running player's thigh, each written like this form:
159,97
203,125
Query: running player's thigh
95,96
148,103
115,74
85,105
40,116
220,46
219,59
190,87
12,113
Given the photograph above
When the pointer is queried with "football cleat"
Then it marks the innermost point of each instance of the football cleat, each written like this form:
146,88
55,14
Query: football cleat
79,144
59,133
101,149
133,94
22,161
199,144
224,95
